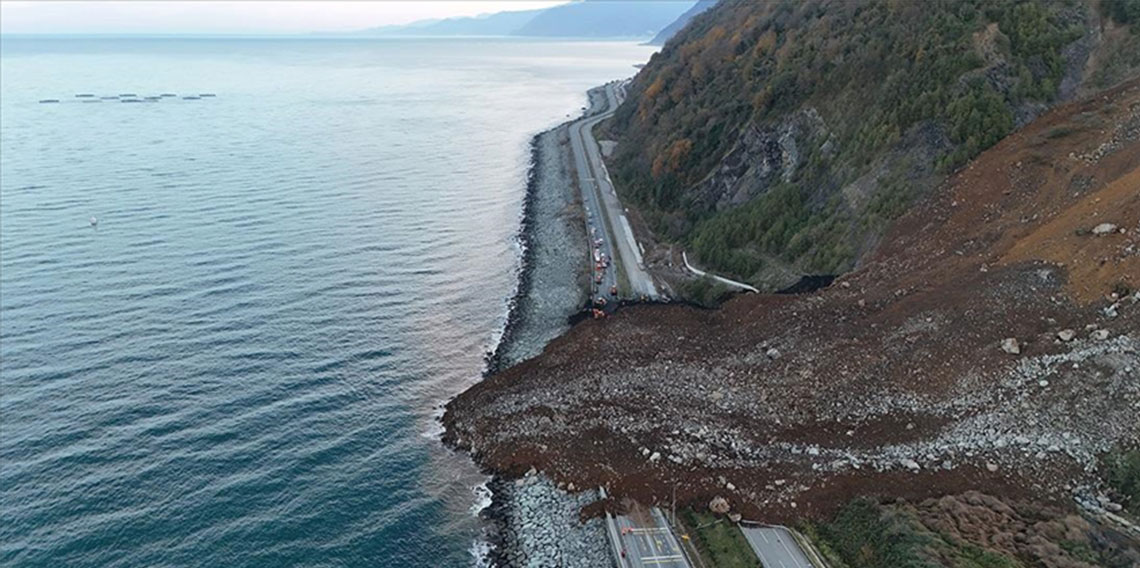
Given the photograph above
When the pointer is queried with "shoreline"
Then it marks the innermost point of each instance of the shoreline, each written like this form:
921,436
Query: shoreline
551,282
493,359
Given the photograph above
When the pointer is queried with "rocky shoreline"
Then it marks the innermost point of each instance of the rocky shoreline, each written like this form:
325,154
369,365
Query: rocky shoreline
538,524
553,275
532,522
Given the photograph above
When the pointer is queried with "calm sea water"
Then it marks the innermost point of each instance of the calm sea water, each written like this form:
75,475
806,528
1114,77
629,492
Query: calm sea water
239,364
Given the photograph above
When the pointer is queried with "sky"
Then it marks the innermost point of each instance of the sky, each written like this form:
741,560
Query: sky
170,17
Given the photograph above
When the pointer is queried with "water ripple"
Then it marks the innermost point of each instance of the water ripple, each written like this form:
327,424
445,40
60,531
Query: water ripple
236,364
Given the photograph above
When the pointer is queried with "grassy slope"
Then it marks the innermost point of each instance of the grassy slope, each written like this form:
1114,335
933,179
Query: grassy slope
720,542
867,534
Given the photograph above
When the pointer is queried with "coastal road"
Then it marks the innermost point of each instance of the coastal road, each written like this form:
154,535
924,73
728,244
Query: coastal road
597,228
649,543
776,547
604,211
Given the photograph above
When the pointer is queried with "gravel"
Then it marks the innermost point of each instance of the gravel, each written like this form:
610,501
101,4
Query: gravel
553,282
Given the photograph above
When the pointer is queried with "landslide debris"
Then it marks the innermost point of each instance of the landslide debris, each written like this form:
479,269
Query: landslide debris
899,380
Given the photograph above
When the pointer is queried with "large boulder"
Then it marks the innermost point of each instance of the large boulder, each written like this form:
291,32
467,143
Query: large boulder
719,505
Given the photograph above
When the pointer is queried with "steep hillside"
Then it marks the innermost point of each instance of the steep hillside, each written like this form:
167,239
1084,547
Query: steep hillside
774,139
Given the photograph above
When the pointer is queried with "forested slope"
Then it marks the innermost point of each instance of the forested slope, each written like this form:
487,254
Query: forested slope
778,138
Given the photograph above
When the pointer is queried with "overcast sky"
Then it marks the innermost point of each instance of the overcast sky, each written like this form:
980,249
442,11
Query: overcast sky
235,17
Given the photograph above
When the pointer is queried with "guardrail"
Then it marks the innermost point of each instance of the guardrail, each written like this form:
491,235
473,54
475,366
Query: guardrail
694,270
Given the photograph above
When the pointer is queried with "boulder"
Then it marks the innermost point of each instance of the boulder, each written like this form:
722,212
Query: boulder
719,505
1011,346
1066,335
1104,229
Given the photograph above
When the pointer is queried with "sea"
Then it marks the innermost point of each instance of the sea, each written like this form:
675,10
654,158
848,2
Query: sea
228,323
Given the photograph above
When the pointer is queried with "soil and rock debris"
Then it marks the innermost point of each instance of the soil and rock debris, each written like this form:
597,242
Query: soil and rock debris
992,344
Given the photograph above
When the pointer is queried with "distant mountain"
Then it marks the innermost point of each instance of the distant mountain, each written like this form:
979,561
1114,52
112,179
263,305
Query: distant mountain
605,18
582,19
498,24
671,30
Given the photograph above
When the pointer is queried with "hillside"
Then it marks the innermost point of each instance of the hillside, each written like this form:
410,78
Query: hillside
776,139
990,344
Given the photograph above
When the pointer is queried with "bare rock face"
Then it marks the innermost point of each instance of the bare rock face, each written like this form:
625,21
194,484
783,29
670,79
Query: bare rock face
763,157
719,505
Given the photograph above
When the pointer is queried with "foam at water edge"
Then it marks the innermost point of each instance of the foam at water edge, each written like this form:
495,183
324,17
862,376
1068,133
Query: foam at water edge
480,554
481,547
435,427
482,498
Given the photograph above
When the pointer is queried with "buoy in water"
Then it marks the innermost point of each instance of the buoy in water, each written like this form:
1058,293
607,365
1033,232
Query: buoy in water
94,221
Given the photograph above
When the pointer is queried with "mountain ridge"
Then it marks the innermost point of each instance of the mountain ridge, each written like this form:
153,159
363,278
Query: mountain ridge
581,19
683,20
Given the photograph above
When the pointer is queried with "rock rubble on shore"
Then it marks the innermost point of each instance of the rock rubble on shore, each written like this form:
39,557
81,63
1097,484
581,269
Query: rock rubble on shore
552,282
540,526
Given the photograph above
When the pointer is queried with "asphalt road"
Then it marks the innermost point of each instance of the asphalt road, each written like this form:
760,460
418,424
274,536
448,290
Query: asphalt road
604,211
651,546
776,547
596,225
